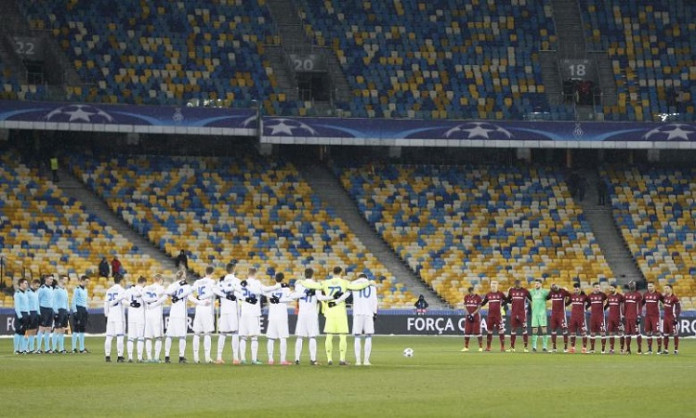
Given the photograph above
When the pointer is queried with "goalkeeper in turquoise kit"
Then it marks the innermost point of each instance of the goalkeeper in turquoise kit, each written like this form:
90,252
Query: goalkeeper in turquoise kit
539,319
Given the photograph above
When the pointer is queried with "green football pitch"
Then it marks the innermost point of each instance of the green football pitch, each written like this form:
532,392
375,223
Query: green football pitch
437,381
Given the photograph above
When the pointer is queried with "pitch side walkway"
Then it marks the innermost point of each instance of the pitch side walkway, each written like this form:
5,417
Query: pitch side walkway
330,191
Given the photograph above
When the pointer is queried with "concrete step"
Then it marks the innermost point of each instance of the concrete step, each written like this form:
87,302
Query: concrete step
333,195
607,234
71,186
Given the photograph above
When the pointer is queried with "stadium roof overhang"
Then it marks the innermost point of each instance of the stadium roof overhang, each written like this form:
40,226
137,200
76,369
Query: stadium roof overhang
342,131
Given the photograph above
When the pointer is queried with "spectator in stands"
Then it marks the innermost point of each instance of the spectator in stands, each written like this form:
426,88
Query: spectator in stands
573,180
182,260
54,169
568,91
582,187
421,305
601,192
116,267
104,267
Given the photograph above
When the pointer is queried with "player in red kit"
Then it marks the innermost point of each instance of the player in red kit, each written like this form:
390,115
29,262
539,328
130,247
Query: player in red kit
472,325
597,328
632,305
518,298
578,303
614,307
651,325
670,320
495,300
559,299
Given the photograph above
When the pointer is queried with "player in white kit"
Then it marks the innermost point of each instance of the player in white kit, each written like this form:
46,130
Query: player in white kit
136,319
204,320
228,323
154,296
178,316
278,320
250,292
307,318
364,313
114,312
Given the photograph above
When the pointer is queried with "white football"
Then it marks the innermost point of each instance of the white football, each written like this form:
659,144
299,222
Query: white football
408,352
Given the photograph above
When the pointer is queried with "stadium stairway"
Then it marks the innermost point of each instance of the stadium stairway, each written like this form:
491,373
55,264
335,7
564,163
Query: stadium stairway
292,33
330,191
571,39
606,233
72,187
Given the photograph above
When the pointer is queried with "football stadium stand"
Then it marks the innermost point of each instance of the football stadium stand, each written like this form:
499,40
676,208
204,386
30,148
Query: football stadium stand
653,209
44,232
650,44
163,52
461,226
436,59
257,211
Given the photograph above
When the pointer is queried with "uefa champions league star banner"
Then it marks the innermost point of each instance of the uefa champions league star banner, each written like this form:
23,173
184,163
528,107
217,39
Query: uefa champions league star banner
446,133
127,118
400,322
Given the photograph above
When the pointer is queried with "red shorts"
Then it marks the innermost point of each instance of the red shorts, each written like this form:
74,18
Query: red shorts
631,327
668,327
473,327
651,324
576,325
495,322
596,324
558,321
518,321
614,325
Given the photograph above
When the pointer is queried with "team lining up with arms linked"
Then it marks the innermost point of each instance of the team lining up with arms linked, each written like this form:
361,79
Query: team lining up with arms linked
239,316
46,309
611,315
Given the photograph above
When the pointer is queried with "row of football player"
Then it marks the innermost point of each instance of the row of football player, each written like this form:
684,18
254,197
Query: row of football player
239,316
610,315
42,313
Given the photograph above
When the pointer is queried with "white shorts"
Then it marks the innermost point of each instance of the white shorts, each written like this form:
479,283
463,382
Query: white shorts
154,327
277,329
204,323
249,326
177,327
136,329
114,327
228,323
307,326
363,324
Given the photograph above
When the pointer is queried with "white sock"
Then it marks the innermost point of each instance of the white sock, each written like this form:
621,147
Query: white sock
148,348
298,348
140,346
107,345
254,349
158,347
182,347
358,348
283,350
313,348
129,344
242,348
119,345
221,345
235,346
270,345
196,347
368,348
207,344
167,346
